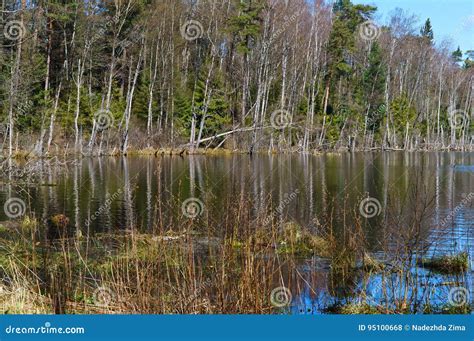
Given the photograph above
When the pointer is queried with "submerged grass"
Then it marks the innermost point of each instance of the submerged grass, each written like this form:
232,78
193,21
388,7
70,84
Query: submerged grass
131,272
353,309
449,264
47,267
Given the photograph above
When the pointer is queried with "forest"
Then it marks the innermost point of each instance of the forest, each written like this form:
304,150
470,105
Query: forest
234,157
117,76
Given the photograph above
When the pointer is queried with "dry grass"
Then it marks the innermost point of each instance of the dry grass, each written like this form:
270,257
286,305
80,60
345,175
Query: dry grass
197,269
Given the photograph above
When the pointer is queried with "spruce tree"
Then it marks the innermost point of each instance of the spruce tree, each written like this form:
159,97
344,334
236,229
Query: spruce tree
427,31
246,25
374,86
457,55
469,62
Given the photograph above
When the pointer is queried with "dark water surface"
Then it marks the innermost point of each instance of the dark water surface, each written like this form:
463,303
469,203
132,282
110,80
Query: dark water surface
115,194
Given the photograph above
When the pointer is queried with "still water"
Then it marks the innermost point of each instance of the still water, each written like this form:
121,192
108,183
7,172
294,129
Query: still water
119,194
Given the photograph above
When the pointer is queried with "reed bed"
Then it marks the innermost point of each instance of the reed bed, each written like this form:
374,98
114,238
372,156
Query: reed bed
228,267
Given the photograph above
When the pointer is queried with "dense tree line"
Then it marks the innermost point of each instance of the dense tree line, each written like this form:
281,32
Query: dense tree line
95,76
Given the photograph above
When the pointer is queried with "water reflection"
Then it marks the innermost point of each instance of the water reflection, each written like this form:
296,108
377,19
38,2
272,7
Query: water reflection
146,194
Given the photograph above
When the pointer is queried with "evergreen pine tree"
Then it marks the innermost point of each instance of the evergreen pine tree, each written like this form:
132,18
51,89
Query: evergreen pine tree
457,55
374,86
469,62
246,25
427,31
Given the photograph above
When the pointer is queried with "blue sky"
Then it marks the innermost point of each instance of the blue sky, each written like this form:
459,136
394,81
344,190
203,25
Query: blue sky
451,19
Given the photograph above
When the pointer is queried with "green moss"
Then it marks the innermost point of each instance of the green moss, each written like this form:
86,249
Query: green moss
236,244
448,309
372,265
141,248
28,224
299,242
352,309
357,309
4,232
447,264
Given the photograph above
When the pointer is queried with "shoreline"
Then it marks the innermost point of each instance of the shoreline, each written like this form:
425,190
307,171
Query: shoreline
23,154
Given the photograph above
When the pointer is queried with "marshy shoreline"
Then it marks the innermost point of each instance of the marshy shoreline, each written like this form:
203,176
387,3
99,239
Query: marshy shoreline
234,157
185,150
251,264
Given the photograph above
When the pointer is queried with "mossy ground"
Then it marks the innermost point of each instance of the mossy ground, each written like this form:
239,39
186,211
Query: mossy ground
451,264
353,309
295,240
131,262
